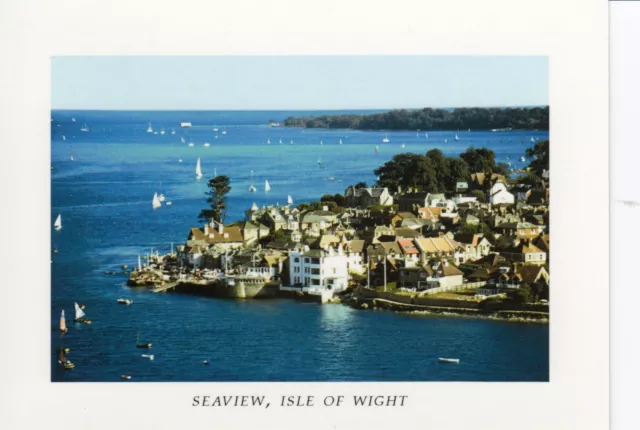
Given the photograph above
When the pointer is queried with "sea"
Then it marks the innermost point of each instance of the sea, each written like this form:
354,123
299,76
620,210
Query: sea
102,184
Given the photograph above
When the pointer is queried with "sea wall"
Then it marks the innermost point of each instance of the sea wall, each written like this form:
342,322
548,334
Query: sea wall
364,298
241,289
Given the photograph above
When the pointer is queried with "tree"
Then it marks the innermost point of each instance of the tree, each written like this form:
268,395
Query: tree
458,172
480,195
218,189
441,166
501,169
521,295
480,160
339,199
360,185
540,155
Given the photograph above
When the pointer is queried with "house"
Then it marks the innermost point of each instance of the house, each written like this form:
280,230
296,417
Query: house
525,252
432,213
328,240
538,197
522,192
542,242
500,196
365,197
409,253
520,230
397,219
229,237
408,202
475,246
520,274
354,250
252,232
439,247
318,270
318,220
483,181
414,277
445,275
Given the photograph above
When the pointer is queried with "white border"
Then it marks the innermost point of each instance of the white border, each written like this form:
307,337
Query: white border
573,33
625,93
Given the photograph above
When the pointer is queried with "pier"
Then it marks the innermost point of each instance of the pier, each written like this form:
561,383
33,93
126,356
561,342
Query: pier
165,287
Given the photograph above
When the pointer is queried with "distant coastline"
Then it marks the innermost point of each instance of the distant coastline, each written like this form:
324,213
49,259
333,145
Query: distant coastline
428,119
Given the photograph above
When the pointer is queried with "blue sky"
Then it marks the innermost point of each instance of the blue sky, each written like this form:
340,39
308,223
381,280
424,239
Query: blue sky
297,82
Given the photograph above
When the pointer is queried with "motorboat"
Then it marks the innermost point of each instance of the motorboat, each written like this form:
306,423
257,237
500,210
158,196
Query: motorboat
449,360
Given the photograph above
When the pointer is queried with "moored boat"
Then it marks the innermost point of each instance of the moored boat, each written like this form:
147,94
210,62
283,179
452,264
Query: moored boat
67,364
125,301
449,360
142,344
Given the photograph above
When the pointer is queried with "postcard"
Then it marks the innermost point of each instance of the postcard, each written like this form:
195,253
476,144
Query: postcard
337,238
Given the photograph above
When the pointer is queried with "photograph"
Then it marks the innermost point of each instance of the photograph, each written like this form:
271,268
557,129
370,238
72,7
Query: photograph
298,218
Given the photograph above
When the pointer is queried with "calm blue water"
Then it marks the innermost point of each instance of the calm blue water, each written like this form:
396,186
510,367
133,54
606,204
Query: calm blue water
105,196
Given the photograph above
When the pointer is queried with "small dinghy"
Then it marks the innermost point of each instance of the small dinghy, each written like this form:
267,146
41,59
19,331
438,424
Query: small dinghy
66,364
125,377
149,356
125,301
80,315
449,360
206,362
142,344
169,203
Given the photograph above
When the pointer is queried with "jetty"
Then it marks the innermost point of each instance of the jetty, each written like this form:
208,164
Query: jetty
165,287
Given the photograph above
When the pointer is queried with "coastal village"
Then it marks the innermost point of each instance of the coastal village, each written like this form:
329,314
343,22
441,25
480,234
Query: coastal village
487,242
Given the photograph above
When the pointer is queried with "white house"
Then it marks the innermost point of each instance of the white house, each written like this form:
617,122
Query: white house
317,271
499,195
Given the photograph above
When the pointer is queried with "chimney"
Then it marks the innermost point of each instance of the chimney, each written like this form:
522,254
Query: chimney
206,229
220,227
325,208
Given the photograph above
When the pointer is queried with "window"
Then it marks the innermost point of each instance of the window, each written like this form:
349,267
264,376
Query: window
306,270
306,260
315,282
315,261
297,260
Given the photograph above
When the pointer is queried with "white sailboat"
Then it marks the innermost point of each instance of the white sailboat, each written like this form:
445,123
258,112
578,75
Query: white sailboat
340,142
71,157
404,146
64,137
79,312
280,141
198,169
386,138
149,129
162,132
289,200
207,144
267,187
426,135
445,141
58,224
182,139
252,189
190,144
224,131
268,142
215,129
522,159
173,131
291,141
321,143
457,137
156,201
85,127
319,160
73,119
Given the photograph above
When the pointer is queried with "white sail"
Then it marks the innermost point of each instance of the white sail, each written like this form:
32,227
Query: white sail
79,313
386,138
289,200
267,187
182,140
280,141
139,264
252,189
268,142
58,224
340,141
149,129
156,201
198,170
173,132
